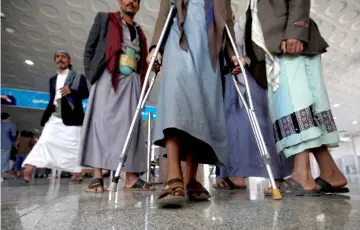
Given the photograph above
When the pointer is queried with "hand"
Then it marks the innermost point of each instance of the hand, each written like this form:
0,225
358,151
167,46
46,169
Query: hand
65,91
237,69
292,46
157,65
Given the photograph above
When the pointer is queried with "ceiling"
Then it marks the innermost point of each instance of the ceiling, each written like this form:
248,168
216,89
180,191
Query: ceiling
43,26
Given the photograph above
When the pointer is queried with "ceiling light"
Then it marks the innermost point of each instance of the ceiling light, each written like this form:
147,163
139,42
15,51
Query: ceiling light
354,122
336,105
9,30
29,62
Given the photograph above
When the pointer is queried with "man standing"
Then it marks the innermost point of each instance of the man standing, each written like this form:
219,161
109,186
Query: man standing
115,63
285,47
8,137
58,146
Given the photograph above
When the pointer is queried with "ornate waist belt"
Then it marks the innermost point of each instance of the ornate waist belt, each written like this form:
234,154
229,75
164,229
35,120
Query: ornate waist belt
128,63
126,60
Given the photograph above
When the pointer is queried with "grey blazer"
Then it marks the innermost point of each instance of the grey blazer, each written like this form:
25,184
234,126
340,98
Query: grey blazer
95,48
289,19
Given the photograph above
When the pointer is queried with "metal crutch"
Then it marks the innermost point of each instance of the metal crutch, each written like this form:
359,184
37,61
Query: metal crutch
276,194
142,100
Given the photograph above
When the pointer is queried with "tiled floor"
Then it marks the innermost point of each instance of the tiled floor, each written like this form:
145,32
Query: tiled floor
53,204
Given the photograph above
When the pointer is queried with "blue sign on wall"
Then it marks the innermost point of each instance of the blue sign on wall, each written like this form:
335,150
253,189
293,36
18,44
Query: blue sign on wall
39,100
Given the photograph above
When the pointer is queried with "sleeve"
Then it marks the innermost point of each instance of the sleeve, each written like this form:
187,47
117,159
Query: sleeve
83,90
230,23
13,133
91,43
160,22
17,143
43,118
298,20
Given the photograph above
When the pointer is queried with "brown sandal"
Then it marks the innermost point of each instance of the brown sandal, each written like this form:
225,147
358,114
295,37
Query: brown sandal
168,196
194,190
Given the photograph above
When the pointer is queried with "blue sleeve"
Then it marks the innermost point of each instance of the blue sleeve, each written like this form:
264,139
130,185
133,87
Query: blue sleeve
12,133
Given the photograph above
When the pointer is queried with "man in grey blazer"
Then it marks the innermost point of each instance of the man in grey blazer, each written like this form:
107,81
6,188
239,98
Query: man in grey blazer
285,46
115,64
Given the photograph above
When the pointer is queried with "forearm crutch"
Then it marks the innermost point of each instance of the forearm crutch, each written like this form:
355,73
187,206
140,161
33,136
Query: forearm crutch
142,100
276,194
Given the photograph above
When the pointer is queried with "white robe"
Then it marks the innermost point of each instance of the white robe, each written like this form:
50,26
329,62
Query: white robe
57,147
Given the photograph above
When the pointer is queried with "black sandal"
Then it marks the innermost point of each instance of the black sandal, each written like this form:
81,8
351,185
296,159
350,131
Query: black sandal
168,197
95,184
291,187
140,185
326,187
227,184
194,189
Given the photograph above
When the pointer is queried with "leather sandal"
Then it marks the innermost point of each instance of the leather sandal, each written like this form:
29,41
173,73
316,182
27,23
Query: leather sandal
173,193
195,190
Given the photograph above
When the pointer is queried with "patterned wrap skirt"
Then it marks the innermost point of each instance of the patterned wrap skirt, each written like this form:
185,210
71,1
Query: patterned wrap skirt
300,108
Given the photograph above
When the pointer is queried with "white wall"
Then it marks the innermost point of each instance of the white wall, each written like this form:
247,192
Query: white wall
346,156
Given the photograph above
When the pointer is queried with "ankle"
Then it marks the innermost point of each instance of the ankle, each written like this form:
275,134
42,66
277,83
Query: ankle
131,177
175,176
304,176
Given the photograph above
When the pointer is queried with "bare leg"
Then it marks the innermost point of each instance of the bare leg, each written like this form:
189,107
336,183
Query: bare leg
191,172
97,173
302,172
174,191
191,169
28,172
328,169
173,157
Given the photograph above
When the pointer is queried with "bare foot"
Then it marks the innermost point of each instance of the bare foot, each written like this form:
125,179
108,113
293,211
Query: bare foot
76,179
306,181
336,179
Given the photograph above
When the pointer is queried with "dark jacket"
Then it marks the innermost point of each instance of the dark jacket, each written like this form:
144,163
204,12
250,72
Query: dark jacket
95,50
281,20
288,19
216,35
71,116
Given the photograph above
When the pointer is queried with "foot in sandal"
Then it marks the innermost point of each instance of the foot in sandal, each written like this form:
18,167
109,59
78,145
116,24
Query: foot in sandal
140,185
133,183
197,192
231,183
96,186
173,194
76,179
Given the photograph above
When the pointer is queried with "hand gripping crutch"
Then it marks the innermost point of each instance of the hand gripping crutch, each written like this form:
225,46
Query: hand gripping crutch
276,195
143,98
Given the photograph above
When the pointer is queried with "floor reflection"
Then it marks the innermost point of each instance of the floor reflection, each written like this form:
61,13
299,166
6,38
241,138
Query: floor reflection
53,204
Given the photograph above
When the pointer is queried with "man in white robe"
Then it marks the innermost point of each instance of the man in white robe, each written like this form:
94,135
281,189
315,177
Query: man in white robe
58,146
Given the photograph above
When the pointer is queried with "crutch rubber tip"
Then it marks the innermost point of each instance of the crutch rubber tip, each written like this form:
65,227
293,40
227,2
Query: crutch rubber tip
112,187
276,194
